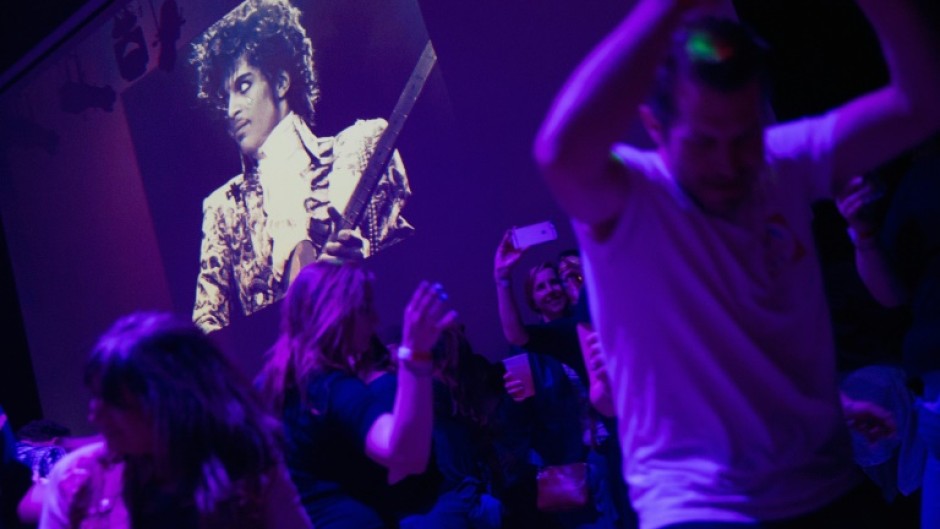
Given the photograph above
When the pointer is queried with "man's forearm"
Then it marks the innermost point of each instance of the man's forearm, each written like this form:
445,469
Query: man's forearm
878,126
600,100
910,49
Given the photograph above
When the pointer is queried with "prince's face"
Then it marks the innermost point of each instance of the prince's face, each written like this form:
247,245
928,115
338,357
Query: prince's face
255,106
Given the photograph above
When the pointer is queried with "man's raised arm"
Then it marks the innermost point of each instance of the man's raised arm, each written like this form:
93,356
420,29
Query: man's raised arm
596,106
878,126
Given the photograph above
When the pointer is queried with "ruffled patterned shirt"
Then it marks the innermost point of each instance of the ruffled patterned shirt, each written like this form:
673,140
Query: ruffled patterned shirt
251,224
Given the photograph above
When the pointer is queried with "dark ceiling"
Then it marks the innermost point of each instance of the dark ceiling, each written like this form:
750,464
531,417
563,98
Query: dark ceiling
28,23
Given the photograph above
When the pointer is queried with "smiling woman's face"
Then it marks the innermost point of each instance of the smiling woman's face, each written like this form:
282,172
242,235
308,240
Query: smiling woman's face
255,106
548,296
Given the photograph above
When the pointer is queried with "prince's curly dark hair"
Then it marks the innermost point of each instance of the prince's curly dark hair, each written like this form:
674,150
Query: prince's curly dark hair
268,34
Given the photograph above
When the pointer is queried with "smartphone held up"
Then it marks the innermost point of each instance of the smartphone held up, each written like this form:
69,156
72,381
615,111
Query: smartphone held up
526,236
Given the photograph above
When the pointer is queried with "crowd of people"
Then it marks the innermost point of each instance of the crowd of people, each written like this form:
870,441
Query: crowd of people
682,371
341,428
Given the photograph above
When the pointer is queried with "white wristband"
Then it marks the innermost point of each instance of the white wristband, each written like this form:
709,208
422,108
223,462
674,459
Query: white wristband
407,355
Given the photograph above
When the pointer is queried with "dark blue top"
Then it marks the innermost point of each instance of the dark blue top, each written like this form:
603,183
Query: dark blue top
559,338
325,434
911,238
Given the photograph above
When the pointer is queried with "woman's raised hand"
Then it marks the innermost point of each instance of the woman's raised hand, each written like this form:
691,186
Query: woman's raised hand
426,315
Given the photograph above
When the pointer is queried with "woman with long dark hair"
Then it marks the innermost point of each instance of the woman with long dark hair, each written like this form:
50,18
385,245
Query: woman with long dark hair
187,442
333,424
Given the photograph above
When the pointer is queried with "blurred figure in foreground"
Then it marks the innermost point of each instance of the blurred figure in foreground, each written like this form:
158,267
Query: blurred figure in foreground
187,443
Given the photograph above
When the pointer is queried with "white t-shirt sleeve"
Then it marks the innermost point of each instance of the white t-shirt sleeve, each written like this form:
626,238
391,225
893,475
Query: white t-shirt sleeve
54,504
803,150
638,163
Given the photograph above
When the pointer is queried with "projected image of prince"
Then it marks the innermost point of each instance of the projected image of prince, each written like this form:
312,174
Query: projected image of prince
255,65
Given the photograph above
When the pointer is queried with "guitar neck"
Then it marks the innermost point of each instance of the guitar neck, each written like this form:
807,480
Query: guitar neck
385,146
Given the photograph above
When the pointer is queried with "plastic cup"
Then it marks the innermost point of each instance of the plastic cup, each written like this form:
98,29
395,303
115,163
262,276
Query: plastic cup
519,366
